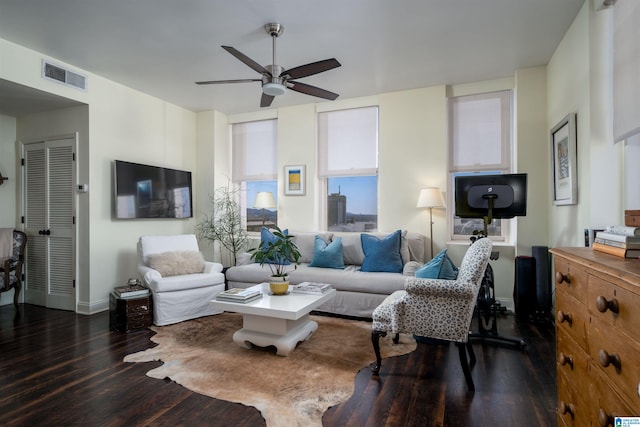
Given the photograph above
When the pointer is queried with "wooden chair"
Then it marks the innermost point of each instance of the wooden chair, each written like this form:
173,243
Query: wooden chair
11,268
435,308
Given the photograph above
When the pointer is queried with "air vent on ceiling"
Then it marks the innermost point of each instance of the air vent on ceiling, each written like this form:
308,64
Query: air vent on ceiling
55,72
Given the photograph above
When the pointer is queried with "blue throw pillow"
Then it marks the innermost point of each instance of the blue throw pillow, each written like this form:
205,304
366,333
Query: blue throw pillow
267,236
440,267
382,255
327,255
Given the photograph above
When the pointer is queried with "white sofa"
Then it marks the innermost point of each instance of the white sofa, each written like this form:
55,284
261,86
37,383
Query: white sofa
358,293
178,297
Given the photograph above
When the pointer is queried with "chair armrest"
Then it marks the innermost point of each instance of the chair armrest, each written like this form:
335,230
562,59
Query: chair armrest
148,274
439,287
212,267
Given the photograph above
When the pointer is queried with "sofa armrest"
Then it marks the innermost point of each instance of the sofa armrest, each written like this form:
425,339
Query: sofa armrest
439,287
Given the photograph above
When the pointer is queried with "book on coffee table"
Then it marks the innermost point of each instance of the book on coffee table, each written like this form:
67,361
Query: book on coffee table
238,300
239,294
314,288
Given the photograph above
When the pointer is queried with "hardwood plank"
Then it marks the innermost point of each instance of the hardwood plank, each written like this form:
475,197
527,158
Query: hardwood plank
60,368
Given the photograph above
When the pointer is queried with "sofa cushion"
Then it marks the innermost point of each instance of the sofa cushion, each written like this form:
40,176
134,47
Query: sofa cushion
327,255
177,263
305,241
440,267
267,237
352,248
382,255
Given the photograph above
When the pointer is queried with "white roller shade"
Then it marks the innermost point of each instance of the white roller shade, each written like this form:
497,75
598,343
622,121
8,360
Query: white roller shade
626,69
255,151
348,142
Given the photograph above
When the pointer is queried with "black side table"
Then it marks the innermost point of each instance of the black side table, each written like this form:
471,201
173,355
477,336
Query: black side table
130,314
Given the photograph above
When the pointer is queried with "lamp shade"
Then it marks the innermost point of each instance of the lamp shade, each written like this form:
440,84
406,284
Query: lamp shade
264,199
431,197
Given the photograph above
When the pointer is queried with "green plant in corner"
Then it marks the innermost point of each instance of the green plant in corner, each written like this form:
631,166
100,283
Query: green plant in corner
224,225
277,254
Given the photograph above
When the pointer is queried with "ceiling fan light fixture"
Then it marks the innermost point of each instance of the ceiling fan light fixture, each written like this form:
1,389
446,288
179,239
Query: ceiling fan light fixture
273,89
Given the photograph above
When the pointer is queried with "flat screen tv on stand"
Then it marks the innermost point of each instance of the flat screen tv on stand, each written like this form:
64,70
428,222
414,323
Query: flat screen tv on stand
490,197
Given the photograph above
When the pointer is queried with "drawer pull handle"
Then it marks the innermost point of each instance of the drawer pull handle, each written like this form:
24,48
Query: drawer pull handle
564,409
607,359
564,359
602,304
564,317
604,419
562,278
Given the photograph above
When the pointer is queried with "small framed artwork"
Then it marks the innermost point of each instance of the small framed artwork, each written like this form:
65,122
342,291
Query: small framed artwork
294,180
564,161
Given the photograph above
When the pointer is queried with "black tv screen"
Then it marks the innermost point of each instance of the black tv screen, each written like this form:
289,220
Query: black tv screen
143,191
508,191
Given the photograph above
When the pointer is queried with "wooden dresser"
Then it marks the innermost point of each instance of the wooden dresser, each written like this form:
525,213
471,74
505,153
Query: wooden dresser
598,336
130,314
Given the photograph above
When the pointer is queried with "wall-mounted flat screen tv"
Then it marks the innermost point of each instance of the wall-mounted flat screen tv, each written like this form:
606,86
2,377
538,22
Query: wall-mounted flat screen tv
144,191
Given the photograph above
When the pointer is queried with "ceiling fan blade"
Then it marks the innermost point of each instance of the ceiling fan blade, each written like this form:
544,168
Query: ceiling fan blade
266,100
311,90
215,82
248,61
311,69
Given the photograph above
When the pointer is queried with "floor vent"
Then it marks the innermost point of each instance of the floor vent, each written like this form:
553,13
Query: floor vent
54,72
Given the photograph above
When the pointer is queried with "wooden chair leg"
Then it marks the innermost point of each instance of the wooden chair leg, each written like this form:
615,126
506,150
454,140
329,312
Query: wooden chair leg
16,293
375,340
472,355
462,351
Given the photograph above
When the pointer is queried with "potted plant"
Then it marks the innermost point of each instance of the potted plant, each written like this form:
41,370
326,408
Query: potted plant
277,254
225,223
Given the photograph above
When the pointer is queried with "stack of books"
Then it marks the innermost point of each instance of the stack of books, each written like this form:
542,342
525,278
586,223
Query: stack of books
240,295
619,240
311,288
130,291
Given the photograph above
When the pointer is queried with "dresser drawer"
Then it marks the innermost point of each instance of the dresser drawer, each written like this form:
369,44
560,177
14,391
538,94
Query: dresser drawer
605,403
572,279
618,357
572,408
572,317
616,306
571,359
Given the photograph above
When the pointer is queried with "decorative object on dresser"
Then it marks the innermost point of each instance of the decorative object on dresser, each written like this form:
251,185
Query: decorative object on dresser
598,336
133,288
632,218
130,314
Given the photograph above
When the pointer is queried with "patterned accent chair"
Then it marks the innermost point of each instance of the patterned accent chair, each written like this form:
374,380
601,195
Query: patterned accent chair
435,308
11,268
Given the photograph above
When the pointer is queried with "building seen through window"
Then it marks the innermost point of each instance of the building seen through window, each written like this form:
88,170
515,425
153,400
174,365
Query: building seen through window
352,203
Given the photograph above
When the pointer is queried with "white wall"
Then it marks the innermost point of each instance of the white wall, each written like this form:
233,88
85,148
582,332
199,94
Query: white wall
8,188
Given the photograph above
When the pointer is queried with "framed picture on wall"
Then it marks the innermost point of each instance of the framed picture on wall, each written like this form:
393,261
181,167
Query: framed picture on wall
294,180
564,161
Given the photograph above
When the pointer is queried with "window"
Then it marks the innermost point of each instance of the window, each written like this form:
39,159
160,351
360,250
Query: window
255,169
479,143
348,163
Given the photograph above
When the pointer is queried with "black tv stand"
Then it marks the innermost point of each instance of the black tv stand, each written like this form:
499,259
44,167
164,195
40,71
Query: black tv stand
487,309
486,306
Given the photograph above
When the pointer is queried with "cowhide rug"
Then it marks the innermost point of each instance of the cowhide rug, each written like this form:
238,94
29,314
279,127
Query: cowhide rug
289,391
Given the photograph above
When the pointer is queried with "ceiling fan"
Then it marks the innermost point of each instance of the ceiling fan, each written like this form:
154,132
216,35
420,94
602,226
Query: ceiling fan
275,78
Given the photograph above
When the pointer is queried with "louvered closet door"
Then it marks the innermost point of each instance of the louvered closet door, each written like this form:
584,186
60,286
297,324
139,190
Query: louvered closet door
49,221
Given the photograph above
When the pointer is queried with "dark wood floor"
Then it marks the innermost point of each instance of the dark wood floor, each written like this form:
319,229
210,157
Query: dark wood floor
63,369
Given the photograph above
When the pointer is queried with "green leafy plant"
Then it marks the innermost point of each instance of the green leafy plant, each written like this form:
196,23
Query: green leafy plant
224,225
277,254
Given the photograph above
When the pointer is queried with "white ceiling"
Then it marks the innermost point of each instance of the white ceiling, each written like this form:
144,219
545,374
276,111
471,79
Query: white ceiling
161,47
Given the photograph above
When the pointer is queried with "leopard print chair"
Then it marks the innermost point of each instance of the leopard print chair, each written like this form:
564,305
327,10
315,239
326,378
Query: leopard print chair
11,268
435,308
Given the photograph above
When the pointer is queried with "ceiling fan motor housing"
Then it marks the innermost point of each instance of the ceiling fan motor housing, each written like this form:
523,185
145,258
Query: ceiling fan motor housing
273,85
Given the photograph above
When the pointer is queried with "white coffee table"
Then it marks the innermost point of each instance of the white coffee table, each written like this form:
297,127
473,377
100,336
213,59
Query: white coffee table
278,320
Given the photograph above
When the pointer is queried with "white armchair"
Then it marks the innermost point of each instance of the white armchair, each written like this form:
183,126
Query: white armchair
181,282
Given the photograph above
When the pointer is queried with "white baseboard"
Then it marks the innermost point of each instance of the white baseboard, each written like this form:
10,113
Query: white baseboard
94,307
507,303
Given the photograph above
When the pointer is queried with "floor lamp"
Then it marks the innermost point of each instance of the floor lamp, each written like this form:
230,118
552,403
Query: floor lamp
431,197
264,200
